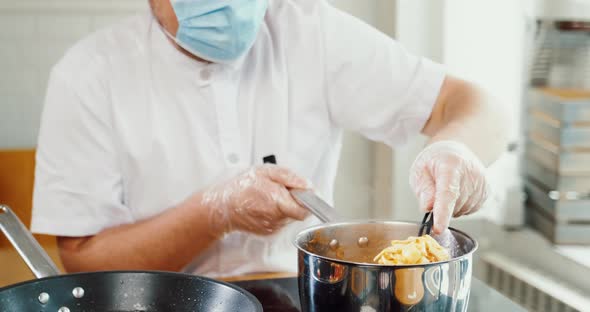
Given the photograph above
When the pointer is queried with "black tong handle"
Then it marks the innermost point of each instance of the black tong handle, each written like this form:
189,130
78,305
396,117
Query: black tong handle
426,226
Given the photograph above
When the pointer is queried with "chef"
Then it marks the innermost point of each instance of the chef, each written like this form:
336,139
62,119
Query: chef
154,130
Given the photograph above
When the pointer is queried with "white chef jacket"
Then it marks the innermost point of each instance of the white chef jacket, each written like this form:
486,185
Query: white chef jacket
131,126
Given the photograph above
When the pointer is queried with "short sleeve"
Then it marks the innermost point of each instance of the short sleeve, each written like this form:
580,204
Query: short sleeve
373,85
78,185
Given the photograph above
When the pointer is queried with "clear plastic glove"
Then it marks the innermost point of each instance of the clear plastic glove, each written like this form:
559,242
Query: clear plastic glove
257,201
449,180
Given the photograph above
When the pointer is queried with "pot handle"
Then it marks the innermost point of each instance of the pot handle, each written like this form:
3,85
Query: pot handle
27,246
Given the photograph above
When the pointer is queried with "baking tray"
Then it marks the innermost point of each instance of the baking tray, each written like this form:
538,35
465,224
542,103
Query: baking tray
558,233
569,106
556,182
557,160
566,136
560,209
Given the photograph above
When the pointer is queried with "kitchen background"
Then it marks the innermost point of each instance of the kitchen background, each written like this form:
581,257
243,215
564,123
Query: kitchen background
489,42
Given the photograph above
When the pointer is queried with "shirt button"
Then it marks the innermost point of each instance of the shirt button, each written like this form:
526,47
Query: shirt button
205,74
233,158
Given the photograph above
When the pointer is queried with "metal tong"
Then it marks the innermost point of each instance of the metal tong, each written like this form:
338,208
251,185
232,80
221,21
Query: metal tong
426,225
310,200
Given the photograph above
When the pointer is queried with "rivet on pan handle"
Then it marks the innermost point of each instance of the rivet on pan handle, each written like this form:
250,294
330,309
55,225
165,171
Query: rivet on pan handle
27,246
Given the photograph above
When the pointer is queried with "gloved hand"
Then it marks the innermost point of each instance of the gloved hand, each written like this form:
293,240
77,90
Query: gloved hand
449,180
256,201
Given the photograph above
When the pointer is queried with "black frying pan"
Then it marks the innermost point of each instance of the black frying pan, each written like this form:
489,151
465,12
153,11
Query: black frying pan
115,291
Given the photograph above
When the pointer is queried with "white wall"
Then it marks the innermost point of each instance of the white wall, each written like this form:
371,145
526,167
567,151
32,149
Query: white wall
354,190
481,41
367,10
418,26
479,48
33,36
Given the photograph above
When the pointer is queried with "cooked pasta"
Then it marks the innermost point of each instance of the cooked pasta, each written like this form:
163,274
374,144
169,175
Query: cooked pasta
414,250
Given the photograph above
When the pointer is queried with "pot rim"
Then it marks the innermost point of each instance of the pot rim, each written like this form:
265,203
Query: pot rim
376,265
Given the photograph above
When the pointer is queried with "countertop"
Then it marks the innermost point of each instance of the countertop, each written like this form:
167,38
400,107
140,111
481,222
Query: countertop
276,291
280,293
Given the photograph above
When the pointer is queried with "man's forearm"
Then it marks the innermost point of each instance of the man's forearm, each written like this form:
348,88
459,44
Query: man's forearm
168,241
468,115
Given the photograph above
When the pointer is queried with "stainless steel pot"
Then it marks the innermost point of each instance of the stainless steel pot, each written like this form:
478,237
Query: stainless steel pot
336,270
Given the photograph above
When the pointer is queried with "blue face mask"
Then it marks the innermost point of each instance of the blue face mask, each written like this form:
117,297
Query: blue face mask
218,30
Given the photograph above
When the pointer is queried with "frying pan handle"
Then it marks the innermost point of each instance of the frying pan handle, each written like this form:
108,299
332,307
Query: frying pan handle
27,246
